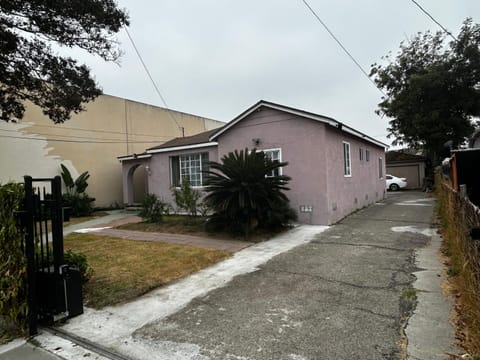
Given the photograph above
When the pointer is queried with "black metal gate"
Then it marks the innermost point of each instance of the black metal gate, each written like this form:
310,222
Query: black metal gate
54,289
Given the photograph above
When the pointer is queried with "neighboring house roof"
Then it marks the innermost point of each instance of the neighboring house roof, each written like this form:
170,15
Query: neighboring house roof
188,142
400,156
302,113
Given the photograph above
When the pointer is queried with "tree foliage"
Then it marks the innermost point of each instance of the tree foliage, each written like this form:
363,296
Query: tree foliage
432,89
244,195
29,67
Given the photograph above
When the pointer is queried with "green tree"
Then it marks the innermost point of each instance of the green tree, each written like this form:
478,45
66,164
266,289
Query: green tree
31,70
244,194
432,89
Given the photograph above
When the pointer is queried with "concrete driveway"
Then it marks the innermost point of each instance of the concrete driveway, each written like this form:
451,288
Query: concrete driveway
340,294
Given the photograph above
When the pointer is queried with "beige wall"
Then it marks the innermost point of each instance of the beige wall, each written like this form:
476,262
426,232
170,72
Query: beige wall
90,141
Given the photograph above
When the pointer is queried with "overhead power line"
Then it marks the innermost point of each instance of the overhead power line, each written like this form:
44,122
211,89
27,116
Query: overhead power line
153,81
341,45
77,141
86,137
434,20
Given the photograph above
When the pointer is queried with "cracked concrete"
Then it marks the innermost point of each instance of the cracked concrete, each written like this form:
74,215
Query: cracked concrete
429,330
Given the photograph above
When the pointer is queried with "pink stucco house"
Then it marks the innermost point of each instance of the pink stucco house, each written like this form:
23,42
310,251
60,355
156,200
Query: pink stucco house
335,169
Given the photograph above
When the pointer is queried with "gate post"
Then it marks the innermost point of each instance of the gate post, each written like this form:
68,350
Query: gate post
32,314
57,224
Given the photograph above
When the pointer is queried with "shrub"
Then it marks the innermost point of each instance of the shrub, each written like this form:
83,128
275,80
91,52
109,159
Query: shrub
187,198
79,204
279,215
13,304
244,194
153,208
79,261
76,198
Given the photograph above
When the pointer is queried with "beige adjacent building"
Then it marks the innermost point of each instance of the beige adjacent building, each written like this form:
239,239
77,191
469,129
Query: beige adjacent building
91,141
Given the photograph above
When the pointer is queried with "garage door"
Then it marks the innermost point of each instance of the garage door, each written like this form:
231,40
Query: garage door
410,172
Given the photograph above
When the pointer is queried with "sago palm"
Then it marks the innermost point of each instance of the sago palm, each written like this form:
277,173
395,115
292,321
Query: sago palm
244,194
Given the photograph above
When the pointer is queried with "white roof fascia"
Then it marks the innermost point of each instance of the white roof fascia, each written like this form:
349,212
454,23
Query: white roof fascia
303,114
300,113
358,134
272,106
133,157
183,147
225,128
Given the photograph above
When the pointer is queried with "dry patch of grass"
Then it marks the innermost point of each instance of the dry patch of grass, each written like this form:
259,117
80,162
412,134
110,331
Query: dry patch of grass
125,269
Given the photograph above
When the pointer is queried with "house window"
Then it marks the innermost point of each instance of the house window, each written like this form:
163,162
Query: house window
347,161
189,166
380,168
360,154
367,155
276,156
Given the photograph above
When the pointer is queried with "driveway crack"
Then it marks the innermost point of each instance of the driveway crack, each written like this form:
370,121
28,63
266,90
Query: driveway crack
335,281
390,317
358,244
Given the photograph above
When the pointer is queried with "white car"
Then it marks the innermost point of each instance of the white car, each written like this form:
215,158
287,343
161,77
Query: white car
394,183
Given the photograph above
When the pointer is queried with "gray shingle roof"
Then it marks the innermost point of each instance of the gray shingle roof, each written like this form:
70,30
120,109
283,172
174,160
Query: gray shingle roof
187,140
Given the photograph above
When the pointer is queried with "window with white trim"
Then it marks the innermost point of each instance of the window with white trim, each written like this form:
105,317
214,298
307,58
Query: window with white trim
347,160
276,156
360,153
380,168
367,155
189,166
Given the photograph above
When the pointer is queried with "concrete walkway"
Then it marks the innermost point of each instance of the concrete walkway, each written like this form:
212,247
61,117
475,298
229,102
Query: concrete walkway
429,331
114,218
26,351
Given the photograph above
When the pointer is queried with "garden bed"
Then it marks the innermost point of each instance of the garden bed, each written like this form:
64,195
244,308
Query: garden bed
193,225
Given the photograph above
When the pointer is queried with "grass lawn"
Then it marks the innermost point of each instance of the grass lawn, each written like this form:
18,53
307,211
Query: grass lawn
182,224
125,269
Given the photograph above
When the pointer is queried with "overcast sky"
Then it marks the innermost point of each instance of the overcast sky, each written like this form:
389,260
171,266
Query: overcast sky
215,58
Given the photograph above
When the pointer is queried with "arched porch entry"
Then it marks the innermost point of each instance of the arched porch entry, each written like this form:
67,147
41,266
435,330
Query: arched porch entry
135,183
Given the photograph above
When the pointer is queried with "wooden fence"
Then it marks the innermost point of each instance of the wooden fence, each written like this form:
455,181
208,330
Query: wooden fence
466,217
